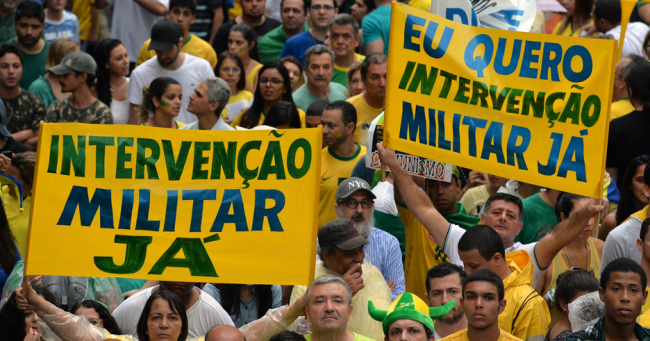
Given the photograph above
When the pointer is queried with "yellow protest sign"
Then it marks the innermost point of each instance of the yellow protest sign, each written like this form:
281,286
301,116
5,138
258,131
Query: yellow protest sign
176,205
530,107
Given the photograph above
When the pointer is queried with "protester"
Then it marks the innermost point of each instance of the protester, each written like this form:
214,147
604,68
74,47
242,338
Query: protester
606,15
539,216
621,104
294,15
24,109
371,102
571,285
355,83
7,14
224,333
7,143
22,324
295,71
47,87
209,17
385,214
445,284
76,74
314,113
242,41
17,201
319,70
183,12
9,253
208,102
97,314
321,13
361,8
253,15
188,70
344,40
161,103
283,115
475,198
576,18
29,27
376,28
245,303
112,84
230,69
60,23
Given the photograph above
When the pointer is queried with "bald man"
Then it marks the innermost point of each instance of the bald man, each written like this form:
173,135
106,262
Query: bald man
224,333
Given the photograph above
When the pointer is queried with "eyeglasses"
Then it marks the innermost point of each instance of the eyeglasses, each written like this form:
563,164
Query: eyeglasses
96,322
354,203
227,69
274,81
325,7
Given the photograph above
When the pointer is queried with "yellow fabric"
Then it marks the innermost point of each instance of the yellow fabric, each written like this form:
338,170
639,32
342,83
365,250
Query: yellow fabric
474,197
194,46
237,121
333,170
644,318
250,78
374,288
421,253
83,10
621,108
424,5
462,336
235,11
360,58
568,30
365,115
18,222
534,317
108,335
641,215
242,95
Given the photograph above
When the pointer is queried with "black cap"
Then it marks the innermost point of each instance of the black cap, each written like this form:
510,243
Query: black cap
164,35
342,234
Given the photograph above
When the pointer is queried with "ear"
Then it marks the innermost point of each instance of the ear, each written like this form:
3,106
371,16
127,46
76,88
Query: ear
156,102
193,18
336,208
639,244
601,293
213,106
564,306
180,44
251,45
645,296
520,225
459,184
646,190
350,128
357,40
502,306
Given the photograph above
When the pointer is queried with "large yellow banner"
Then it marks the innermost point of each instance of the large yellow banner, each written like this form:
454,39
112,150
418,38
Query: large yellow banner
526,106
179,205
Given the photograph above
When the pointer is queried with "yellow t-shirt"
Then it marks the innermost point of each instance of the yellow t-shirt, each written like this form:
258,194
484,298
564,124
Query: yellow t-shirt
193,45
568,30
18,221
83,10
250,78
365,115
474,198
237,121
242,95
360,58
333,170
462,336
621,108
644,318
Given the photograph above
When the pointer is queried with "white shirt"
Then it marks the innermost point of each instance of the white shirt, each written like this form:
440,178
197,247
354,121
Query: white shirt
189,75
385,202
621,243
201,317
634,36
220,125
132,24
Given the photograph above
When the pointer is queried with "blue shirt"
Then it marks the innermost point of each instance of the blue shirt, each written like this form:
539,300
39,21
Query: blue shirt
248,309
68,27
384,253
376,25
297,46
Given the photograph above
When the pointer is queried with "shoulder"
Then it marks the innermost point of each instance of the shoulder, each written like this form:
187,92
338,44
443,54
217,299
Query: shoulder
31,97
298,38
383,236
69,16
133,304
507,336
459,335
338,87
358,337
272,22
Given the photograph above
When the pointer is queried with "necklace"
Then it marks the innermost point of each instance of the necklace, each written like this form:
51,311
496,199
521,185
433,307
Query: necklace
121,89
587,247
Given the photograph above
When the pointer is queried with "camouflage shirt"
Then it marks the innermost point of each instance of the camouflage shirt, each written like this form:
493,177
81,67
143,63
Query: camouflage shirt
24,112
63,111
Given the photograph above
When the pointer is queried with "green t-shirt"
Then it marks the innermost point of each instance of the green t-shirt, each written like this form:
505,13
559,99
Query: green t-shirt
7,27
42,89
461,218
270,46
303,98
538,216
357,337
128,284
33,65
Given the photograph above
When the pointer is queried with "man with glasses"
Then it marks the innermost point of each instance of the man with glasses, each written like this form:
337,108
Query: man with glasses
621,104
355,201
319,69
321,12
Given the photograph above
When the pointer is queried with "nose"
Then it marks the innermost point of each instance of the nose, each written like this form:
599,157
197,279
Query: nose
625,296
382,82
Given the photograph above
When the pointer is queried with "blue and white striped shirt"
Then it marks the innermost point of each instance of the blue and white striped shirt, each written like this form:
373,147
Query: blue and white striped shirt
384,253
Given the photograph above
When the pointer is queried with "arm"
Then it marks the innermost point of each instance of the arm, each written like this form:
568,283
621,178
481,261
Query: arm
275,321
475,178
133,116
415,199
217,21
93,38
375,46
23,135
644,13
153,6
396,268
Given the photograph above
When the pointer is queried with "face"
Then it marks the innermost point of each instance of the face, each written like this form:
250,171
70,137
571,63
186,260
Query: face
444,290
11,71
356,85
56,5
503,217
312,121
375,82
230,72
294,74
472,261
8,4
619,82
170,101
271,85
29,31
118,62
637,186
642,245
443,195
334,130
178,288
343,40
406,330
253,8
328,308
320,70
362,218
359,10
13,171
199,101
293,14
482,305
586,233
163,323
183,16
570,6
91,315
497,180
322,12
238,45
341,261
31,321
168,58
623,297
70,81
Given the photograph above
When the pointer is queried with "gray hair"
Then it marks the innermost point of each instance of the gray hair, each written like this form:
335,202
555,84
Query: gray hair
345,19
218,91
328,279
318,50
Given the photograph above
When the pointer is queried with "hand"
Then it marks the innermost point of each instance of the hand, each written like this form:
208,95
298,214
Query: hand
5,162
476,178
298,307
604,210
392,285
353,278
32,335
35,279
589,29
583,215
387,156
29,298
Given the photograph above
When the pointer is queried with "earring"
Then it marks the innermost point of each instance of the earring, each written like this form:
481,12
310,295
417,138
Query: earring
155,105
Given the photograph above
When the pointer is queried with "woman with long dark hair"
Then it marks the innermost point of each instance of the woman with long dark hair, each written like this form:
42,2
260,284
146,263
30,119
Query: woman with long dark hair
22,324
245,303
231,69
112,84
577,16
161,103
97,314
242,41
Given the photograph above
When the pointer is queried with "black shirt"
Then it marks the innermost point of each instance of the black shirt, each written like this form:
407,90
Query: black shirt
14,146
629,137
220,41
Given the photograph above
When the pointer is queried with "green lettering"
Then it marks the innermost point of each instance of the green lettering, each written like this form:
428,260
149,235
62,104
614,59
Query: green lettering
54,155
121,172
272,163
295,172
136,252
196,258
100,143
426,82
74,156
175,165
198,173
222,161
149,162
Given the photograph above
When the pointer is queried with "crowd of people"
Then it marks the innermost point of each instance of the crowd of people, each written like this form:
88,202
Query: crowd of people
480,257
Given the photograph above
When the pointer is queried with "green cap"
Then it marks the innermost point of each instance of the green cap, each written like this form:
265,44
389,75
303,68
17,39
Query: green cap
75,61
409,307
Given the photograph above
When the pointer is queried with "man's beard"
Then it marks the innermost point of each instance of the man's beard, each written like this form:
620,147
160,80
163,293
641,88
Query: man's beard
450,319
364,229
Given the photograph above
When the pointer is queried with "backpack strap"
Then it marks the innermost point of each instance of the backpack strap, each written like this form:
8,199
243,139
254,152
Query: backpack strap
529,298
581,335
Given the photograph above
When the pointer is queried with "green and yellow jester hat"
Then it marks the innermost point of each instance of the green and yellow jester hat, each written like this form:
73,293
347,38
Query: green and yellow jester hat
410,307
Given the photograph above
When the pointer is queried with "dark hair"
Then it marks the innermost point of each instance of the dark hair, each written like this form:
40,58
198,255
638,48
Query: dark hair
102,57
304,6
443,270
626,205
646,176
572,282
175,304
373,58
29,9
11,48
12,319
251,37
283,113
565,204
292,60
191,4
507,198
610,10
231,296
156,89
582,10
241,84
252,116
8,251
371,5
107,319
316,108
638,84
622,265
645,43
344,19
90,78
287,335
25,163
484,239
348,111
484,275
644,229
308,3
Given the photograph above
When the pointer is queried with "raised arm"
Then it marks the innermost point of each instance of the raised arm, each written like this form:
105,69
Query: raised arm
153,6
415,199
275,321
